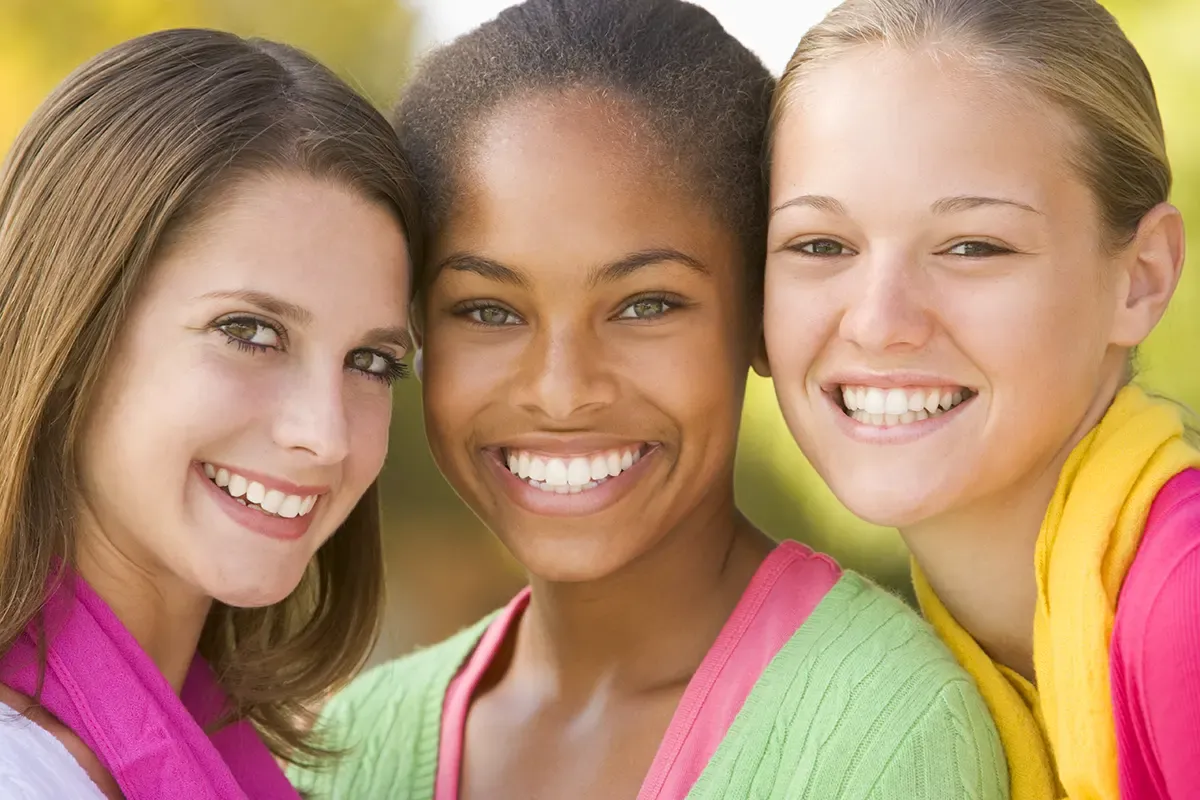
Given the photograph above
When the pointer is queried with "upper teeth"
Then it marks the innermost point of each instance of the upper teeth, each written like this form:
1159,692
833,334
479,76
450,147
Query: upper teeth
272,501
572,474
874,406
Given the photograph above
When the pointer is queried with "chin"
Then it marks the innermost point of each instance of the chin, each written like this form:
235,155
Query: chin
569,557
894,505
250,585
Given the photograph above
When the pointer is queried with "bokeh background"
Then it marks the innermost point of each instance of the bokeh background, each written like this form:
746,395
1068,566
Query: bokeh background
445,570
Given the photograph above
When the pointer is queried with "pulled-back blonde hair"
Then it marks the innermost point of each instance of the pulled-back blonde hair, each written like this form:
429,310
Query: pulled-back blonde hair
130,148
1071,53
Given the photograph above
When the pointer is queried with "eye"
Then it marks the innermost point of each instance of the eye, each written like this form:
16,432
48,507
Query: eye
490,315
977,249
252,333
646,308
379,366
822,248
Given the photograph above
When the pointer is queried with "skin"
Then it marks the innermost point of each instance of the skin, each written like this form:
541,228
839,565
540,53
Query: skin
1022,302
530,341
310,406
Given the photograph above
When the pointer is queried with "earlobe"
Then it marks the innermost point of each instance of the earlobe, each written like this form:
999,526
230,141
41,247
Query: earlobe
760,362
1153,267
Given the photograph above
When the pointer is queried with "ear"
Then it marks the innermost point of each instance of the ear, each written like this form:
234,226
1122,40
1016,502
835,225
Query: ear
416,331
1151,268
759,360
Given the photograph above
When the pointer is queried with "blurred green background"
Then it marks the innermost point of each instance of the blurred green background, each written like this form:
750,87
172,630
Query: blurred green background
444,569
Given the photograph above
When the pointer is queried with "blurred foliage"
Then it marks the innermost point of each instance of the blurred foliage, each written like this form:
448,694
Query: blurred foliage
366,41
445,569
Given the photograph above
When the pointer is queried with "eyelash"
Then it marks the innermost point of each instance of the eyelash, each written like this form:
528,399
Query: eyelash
990,249
670,302
395,369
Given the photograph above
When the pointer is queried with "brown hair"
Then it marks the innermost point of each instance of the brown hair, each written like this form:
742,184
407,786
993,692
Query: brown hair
133,145
1070,52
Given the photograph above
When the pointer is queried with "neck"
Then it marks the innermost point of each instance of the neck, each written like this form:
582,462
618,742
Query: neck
648,627
980,560
164,617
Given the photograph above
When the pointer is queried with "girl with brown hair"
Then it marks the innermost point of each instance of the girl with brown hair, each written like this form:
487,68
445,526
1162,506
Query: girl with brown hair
204,287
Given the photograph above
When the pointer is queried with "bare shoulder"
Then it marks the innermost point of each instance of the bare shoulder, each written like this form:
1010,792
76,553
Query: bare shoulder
24,706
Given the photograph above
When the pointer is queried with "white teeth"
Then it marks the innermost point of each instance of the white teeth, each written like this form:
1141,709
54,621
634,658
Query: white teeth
556,472
896,402
613,460
251,494
599,469
272,501
290,507
876,401
579,471
872,405
570,475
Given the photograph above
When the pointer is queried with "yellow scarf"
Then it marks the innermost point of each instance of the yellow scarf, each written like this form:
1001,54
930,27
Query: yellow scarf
1087,543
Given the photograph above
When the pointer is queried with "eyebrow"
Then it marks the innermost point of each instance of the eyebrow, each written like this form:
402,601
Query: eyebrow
606,273
267,302
397,336
966,202
946,205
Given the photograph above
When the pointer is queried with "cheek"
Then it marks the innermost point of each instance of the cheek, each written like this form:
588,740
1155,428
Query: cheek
369,413
797,316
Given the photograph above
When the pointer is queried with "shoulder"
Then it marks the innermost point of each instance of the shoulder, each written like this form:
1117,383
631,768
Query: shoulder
895,710
384,726
35,765
1163,582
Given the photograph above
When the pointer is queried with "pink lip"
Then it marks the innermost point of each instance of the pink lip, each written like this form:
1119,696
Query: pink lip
256,521
891,434
888,380
268,482
552,504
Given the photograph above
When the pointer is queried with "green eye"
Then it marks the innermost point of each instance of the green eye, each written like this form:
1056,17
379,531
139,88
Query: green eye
823,247
646,308
251,332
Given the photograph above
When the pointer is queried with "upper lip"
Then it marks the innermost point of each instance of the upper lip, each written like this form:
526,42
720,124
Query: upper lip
570,445
888,380
269,482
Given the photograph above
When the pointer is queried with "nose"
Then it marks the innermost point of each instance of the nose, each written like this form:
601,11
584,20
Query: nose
886,308
564,373
312,415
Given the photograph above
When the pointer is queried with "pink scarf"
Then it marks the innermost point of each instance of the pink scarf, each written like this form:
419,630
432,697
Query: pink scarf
100,684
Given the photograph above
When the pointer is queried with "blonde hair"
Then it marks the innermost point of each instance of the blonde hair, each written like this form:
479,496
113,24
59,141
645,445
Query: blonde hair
1070,52
129,150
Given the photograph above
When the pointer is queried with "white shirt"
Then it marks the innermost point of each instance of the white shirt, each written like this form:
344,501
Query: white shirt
36,766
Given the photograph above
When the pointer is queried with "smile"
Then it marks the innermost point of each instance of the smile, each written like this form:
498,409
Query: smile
573,474
879,407
255,495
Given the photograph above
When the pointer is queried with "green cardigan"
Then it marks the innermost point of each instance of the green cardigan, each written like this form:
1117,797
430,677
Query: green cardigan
863,703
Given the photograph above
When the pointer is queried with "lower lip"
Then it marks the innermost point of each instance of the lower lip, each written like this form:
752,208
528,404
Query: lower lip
251,519
892,434
580,504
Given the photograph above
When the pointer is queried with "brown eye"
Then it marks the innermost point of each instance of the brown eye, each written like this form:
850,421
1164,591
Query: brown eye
250,331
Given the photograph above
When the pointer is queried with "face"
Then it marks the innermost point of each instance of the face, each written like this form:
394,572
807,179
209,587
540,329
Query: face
940,305
246,409
584,343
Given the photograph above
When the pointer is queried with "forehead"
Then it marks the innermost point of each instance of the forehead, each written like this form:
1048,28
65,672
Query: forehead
576,175
924,121
321,243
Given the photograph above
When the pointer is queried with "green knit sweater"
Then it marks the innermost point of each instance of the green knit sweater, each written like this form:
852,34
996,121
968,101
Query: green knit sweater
863,703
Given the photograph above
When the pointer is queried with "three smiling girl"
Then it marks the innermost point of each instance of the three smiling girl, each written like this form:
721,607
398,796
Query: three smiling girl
959,211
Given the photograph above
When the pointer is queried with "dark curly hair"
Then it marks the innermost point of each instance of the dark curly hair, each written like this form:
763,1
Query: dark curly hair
703,97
